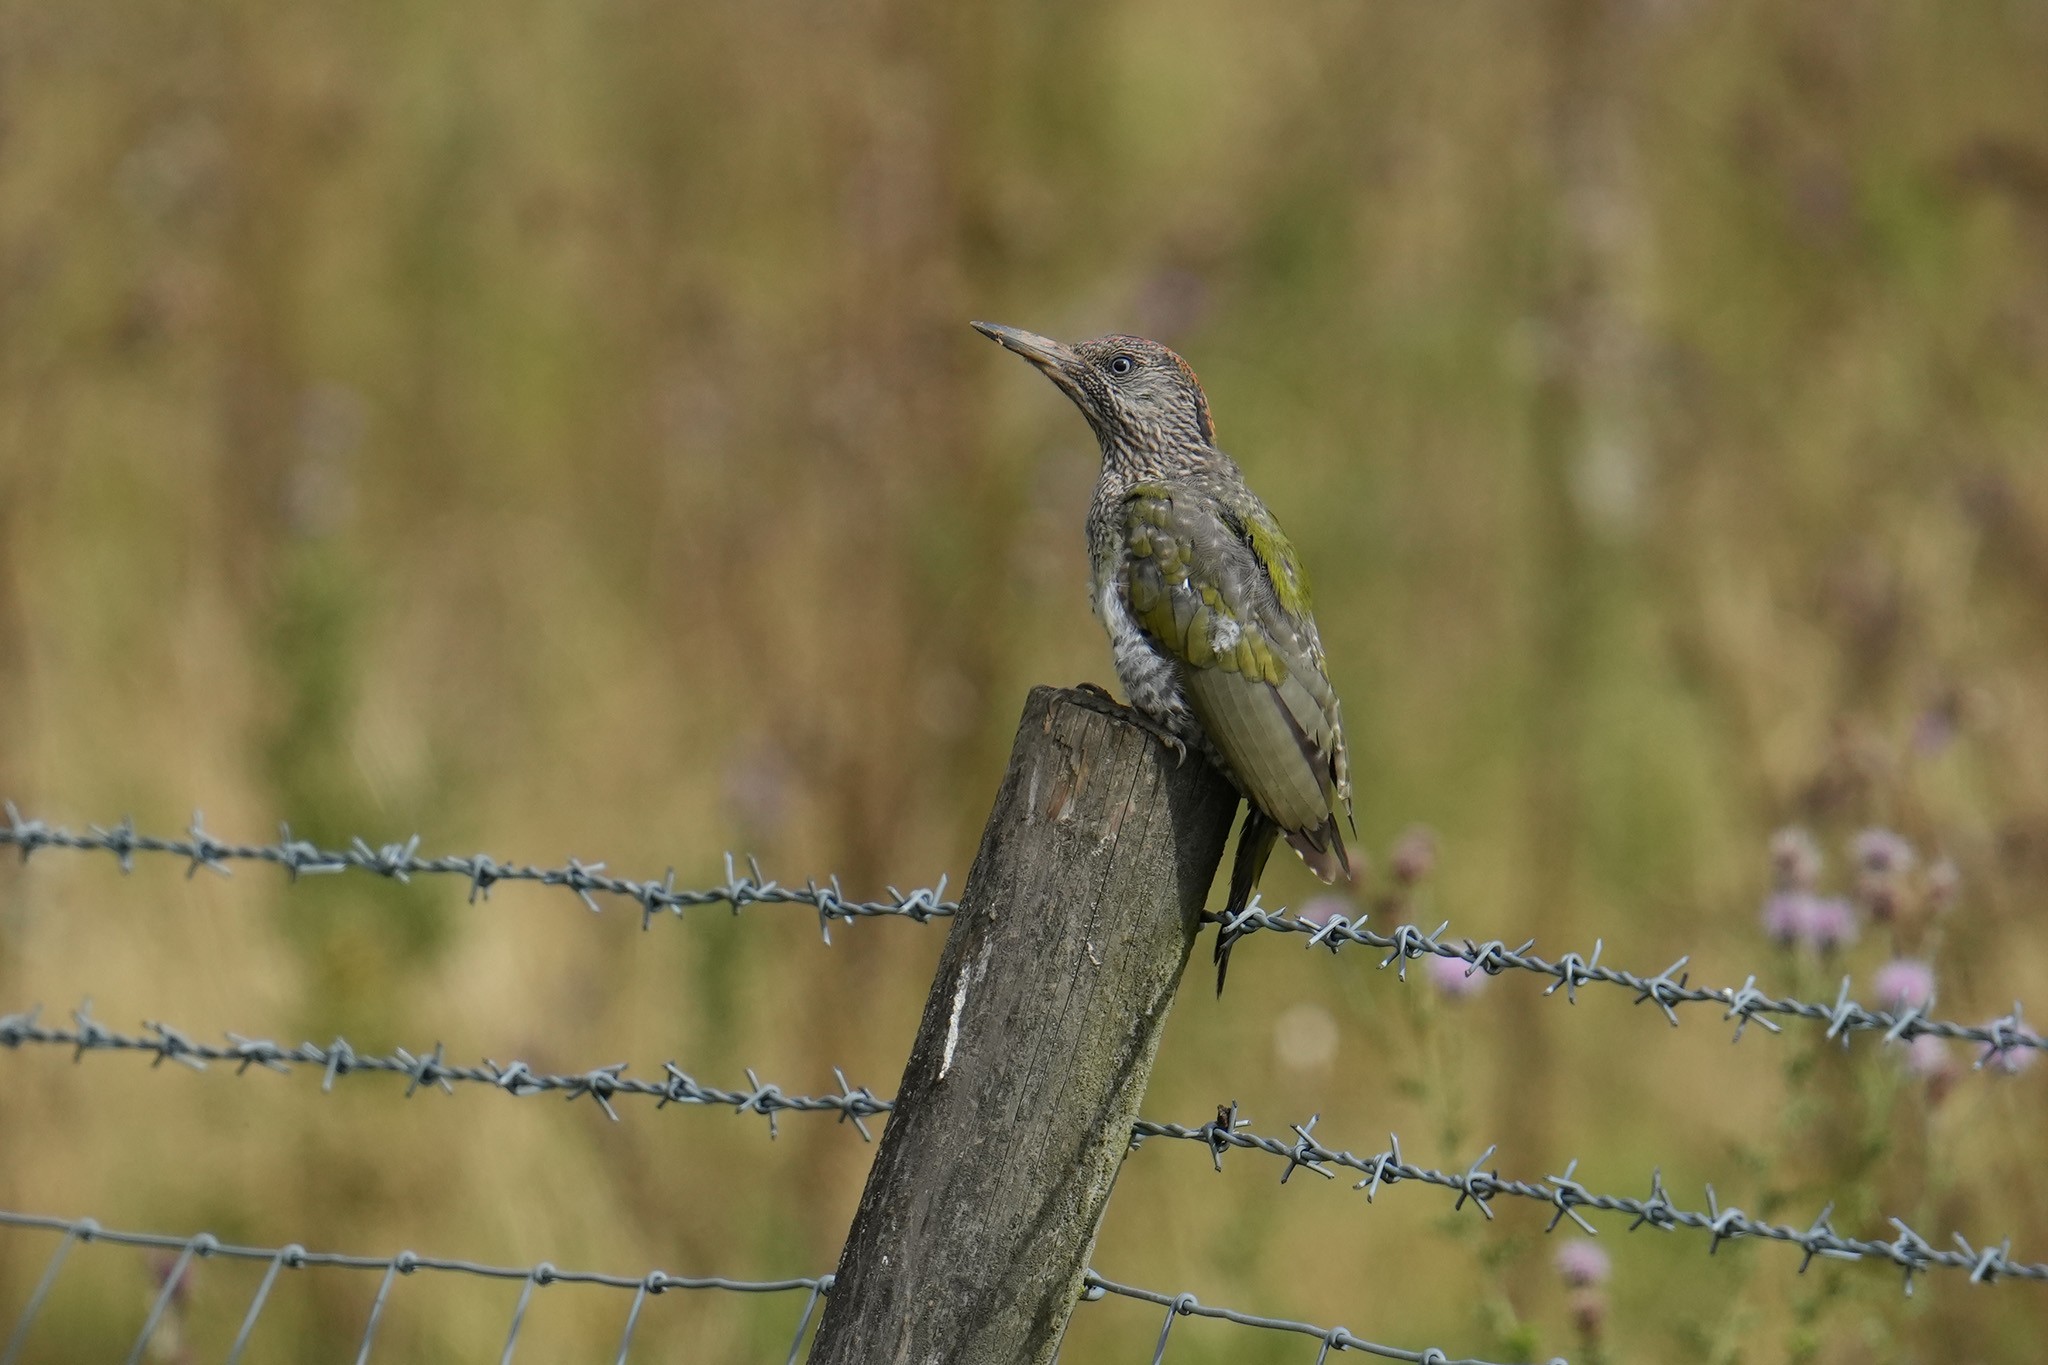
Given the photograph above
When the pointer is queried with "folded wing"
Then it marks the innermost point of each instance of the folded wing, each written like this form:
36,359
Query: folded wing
1219,589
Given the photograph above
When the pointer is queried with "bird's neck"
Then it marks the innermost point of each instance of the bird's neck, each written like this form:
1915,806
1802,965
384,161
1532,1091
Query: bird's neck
1127,460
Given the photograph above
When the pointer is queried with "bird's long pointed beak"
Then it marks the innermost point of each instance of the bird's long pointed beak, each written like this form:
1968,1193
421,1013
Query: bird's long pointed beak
1058,361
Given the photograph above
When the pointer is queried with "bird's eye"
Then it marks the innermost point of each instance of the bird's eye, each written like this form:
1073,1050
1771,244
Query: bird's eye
1122,365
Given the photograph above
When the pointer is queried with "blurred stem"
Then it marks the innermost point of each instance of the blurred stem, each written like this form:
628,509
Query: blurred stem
1568,272
1583,477
13,644
1433,1086
13,707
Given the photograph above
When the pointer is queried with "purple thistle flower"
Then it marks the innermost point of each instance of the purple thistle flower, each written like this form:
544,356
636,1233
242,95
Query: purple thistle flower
1785,916
1453,977
1882,861
1795,860
1822,923
1881,853
1830,924
1582,1263
1904,983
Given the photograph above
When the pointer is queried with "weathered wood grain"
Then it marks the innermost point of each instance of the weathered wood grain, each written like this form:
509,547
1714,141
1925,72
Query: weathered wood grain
1015,1110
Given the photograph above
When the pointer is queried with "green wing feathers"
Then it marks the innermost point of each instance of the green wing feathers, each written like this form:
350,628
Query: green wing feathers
1219,589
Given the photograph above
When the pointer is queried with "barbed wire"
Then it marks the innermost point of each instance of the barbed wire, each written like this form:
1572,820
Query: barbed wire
1667,989
341,1058
198,848
1403,944
1562,1193
78,1231
401,861
1566,1196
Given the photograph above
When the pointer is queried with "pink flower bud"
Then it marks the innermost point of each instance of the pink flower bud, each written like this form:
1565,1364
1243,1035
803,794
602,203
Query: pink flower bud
1928,1056
1830,924
1795,860
1581,1263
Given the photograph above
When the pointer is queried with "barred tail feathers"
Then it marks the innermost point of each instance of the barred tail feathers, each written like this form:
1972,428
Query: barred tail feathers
1322,848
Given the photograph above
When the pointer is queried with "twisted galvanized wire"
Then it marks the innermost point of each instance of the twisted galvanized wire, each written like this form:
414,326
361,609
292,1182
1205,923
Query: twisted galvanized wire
1567,1197
401,861
1178,1306
1564,1194
1667,989
341,1058
1404,943
294,1257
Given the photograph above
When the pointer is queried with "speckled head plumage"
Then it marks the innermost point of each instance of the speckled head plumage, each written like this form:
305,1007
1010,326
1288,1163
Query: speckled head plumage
1142,399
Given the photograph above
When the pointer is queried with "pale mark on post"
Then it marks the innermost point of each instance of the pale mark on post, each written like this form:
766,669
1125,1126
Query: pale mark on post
968,976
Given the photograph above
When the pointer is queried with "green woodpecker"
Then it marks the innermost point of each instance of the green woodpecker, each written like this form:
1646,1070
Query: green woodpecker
1205,602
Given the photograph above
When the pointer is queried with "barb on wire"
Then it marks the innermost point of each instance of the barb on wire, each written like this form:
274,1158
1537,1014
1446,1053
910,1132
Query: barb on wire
340,1058
1668,989
402,861
1094,1287
294,1257
1568,1198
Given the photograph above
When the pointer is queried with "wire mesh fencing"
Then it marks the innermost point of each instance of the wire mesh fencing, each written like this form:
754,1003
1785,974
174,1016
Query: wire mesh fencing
76,1232
81,1231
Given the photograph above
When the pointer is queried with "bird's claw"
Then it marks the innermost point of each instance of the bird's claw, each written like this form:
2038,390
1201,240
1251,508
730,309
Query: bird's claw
1144,722
1165,736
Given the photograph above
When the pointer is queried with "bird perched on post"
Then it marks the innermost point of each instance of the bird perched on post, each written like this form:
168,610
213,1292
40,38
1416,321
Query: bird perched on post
1206,605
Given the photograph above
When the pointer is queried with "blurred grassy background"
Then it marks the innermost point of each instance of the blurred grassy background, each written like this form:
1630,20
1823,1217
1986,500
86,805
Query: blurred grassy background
554,429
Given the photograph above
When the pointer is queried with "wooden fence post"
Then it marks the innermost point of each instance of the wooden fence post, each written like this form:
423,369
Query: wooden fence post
1015,1110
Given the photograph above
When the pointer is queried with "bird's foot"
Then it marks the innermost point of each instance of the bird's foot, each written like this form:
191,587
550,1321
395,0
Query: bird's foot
1164,734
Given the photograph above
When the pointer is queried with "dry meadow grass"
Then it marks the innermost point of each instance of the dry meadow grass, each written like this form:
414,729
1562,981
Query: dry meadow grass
554,429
